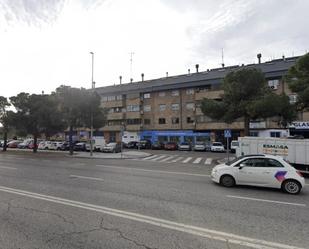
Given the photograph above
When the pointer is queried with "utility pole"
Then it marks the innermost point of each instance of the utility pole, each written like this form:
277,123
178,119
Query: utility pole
91,112
131,65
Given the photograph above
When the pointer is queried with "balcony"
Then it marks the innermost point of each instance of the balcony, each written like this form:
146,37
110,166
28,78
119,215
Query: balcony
115,116
209,94
112,128
219,126
133,127
109,104
133,115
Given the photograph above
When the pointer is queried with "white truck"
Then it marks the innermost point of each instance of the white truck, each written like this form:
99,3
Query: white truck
295,151
97,142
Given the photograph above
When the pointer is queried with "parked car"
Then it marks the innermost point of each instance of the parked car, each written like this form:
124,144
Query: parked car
25,144
144,144
184,146
14,143
132,145
217,147
80,146
97,144
259,170
41,145
1,143
112,147
170,146
157,146
56,145
199,146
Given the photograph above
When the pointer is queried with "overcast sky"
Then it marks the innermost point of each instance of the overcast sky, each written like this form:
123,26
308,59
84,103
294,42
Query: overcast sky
44,44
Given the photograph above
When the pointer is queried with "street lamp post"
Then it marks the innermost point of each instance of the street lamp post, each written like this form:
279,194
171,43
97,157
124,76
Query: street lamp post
91,112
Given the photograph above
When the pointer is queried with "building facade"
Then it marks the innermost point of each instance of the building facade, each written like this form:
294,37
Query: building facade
168,108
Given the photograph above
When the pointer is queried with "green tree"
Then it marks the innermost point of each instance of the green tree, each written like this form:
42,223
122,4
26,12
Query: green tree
77,105
247,96
4,119
298,81
36,115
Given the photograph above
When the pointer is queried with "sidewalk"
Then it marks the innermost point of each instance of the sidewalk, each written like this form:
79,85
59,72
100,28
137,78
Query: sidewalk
123,155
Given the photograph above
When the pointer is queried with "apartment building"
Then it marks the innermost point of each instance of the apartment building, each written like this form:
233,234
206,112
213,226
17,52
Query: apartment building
168,108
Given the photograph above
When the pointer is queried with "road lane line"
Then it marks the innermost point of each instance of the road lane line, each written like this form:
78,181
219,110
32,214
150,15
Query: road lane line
150,157
228,238
197,160
187,160
153,171
87,177
4,167
177,159
158,158
208,161
264,200
166,159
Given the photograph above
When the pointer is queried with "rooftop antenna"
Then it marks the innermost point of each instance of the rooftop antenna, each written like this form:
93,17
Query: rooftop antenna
131,64
222,57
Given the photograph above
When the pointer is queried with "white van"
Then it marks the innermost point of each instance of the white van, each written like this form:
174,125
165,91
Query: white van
97,144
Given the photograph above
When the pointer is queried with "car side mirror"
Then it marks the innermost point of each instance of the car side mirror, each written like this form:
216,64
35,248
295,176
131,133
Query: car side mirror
241,165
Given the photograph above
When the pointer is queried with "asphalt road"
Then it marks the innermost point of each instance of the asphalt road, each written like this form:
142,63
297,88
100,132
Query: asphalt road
54,201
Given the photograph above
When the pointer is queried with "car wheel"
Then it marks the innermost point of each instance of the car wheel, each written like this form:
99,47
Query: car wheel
291,187
227,181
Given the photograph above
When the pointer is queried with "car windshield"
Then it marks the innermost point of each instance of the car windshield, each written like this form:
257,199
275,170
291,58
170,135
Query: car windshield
235,143
217,144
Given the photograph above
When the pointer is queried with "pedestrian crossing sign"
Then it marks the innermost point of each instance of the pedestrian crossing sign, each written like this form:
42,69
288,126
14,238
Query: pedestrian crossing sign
227,133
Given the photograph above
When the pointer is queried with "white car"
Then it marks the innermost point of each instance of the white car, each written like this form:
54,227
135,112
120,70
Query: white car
234,146
55,145
259,170
217,147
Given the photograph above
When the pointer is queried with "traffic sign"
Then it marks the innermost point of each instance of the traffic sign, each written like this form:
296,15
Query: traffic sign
227,133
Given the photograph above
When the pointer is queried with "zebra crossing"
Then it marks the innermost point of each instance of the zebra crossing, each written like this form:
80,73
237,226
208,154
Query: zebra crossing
161,158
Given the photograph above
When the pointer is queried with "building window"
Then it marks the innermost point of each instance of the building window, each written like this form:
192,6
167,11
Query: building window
133,108
146,95
111,98
254,134
161,94
275,134
162,121
175,120
104,98
190,120
162,108
175,107
114,122
147,108
119,97
147,121
273,84
293,98
134,121
111,110
190,106
175,93
190,91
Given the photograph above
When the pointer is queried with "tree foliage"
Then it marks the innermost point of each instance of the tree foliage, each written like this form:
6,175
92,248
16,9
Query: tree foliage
78,105
298,81
4,118
36,115
247,96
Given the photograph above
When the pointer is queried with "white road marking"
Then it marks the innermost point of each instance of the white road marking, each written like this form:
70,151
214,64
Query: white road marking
187,160
4,167
158,158
264,200
150,157
176,226
177,159
166,159
208,161
153,171
197,160
87,177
